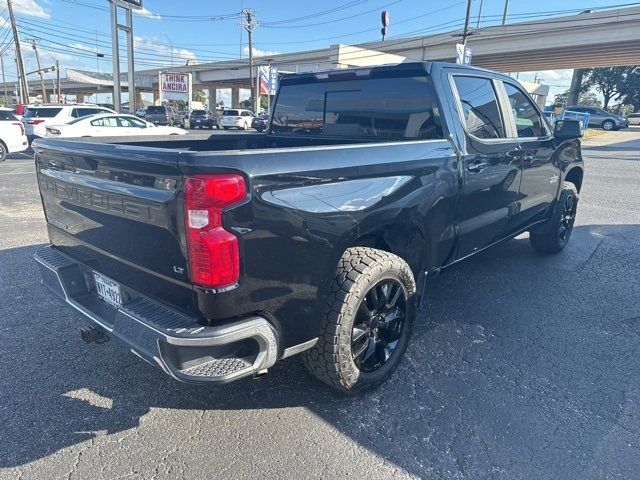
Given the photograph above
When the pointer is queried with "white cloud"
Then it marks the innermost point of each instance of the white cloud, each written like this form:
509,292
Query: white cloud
148,14
80,46
30,8
164,51
260,53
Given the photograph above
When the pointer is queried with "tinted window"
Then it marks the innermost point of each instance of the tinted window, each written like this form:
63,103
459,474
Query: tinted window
480,107
5,115
83,112
385,108
40,112
231,113
156,110
528,121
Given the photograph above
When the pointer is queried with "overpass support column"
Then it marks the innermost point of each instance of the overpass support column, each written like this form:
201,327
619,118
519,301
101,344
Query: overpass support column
235,97
213,97
79,97
156,96
576,87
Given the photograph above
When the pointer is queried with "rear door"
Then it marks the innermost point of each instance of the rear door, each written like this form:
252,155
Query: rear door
540,176
491,171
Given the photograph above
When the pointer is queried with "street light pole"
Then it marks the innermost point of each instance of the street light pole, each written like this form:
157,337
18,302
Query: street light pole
465,32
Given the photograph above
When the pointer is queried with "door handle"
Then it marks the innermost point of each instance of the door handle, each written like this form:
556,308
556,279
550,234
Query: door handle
477,167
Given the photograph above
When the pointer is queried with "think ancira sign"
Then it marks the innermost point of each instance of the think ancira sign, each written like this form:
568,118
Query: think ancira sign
175,86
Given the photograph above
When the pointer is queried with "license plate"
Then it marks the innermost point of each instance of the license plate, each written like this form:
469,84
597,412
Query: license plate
108,290
156,121
198,121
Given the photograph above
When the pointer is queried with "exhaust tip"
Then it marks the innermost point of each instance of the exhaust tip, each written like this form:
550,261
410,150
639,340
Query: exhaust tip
93,335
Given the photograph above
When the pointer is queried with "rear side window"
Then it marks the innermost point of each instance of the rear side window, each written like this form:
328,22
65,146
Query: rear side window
105,122
528,121
83,112
479,107
382,108
39,112
5,115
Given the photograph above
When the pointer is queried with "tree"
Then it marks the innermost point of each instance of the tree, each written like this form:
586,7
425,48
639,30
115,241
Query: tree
612,82
199,96
586,98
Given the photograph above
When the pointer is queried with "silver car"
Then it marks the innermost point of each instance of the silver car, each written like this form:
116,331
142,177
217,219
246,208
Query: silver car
601,118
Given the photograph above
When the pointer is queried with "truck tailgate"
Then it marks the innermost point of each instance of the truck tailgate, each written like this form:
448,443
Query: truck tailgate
117,210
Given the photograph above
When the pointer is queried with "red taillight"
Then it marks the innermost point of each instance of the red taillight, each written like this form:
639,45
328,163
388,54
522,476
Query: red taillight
35,122
214,258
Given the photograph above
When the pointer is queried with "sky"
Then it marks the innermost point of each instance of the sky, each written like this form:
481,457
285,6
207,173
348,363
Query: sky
72,31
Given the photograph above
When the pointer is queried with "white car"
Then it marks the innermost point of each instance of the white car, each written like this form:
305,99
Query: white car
38,117
109,125
634,118
12,137
236,118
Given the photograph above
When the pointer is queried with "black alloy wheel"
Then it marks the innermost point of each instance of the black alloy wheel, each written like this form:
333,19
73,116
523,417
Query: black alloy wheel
568,218
378,325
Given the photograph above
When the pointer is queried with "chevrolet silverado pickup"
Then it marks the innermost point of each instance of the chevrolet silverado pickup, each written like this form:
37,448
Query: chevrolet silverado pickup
215,256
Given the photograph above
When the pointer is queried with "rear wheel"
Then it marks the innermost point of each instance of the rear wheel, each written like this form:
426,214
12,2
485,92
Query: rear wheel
608,125
3,152
556,236
367,322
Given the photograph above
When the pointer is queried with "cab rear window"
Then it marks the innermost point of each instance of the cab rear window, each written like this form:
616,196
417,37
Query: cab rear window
383,108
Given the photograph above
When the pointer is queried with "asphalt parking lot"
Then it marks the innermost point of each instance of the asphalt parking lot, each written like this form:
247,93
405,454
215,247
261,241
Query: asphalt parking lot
521,367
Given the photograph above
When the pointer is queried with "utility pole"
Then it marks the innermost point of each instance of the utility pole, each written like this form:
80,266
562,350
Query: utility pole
479,14
504,14
44,91
4,81
249,27
19,61
465,32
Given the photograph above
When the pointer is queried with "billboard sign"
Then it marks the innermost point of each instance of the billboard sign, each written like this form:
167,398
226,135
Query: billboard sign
175,86
135,4
268,80
463,54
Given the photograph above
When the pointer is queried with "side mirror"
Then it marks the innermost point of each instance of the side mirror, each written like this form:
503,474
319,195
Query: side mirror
568,129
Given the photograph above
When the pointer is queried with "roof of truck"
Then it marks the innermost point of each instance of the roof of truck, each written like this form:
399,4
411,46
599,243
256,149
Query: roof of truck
399,69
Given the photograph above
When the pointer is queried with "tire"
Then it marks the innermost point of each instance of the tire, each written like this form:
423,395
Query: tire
3,152
556,236
608,125
343,357
217,127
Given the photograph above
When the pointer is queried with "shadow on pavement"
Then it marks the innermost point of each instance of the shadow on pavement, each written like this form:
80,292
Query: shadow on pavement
521,365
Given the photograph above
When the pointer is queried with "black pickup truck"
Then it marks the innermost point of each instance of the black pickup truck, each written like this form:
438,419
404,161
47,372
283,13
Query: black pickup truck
214,256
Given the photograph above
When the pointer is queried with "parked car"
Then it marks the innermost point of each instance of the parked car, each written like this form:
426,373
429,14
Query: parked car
203,119
141,112
12,136
261,122
162,115
215,259
38,117
109,125
236,118
634,118
601,118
